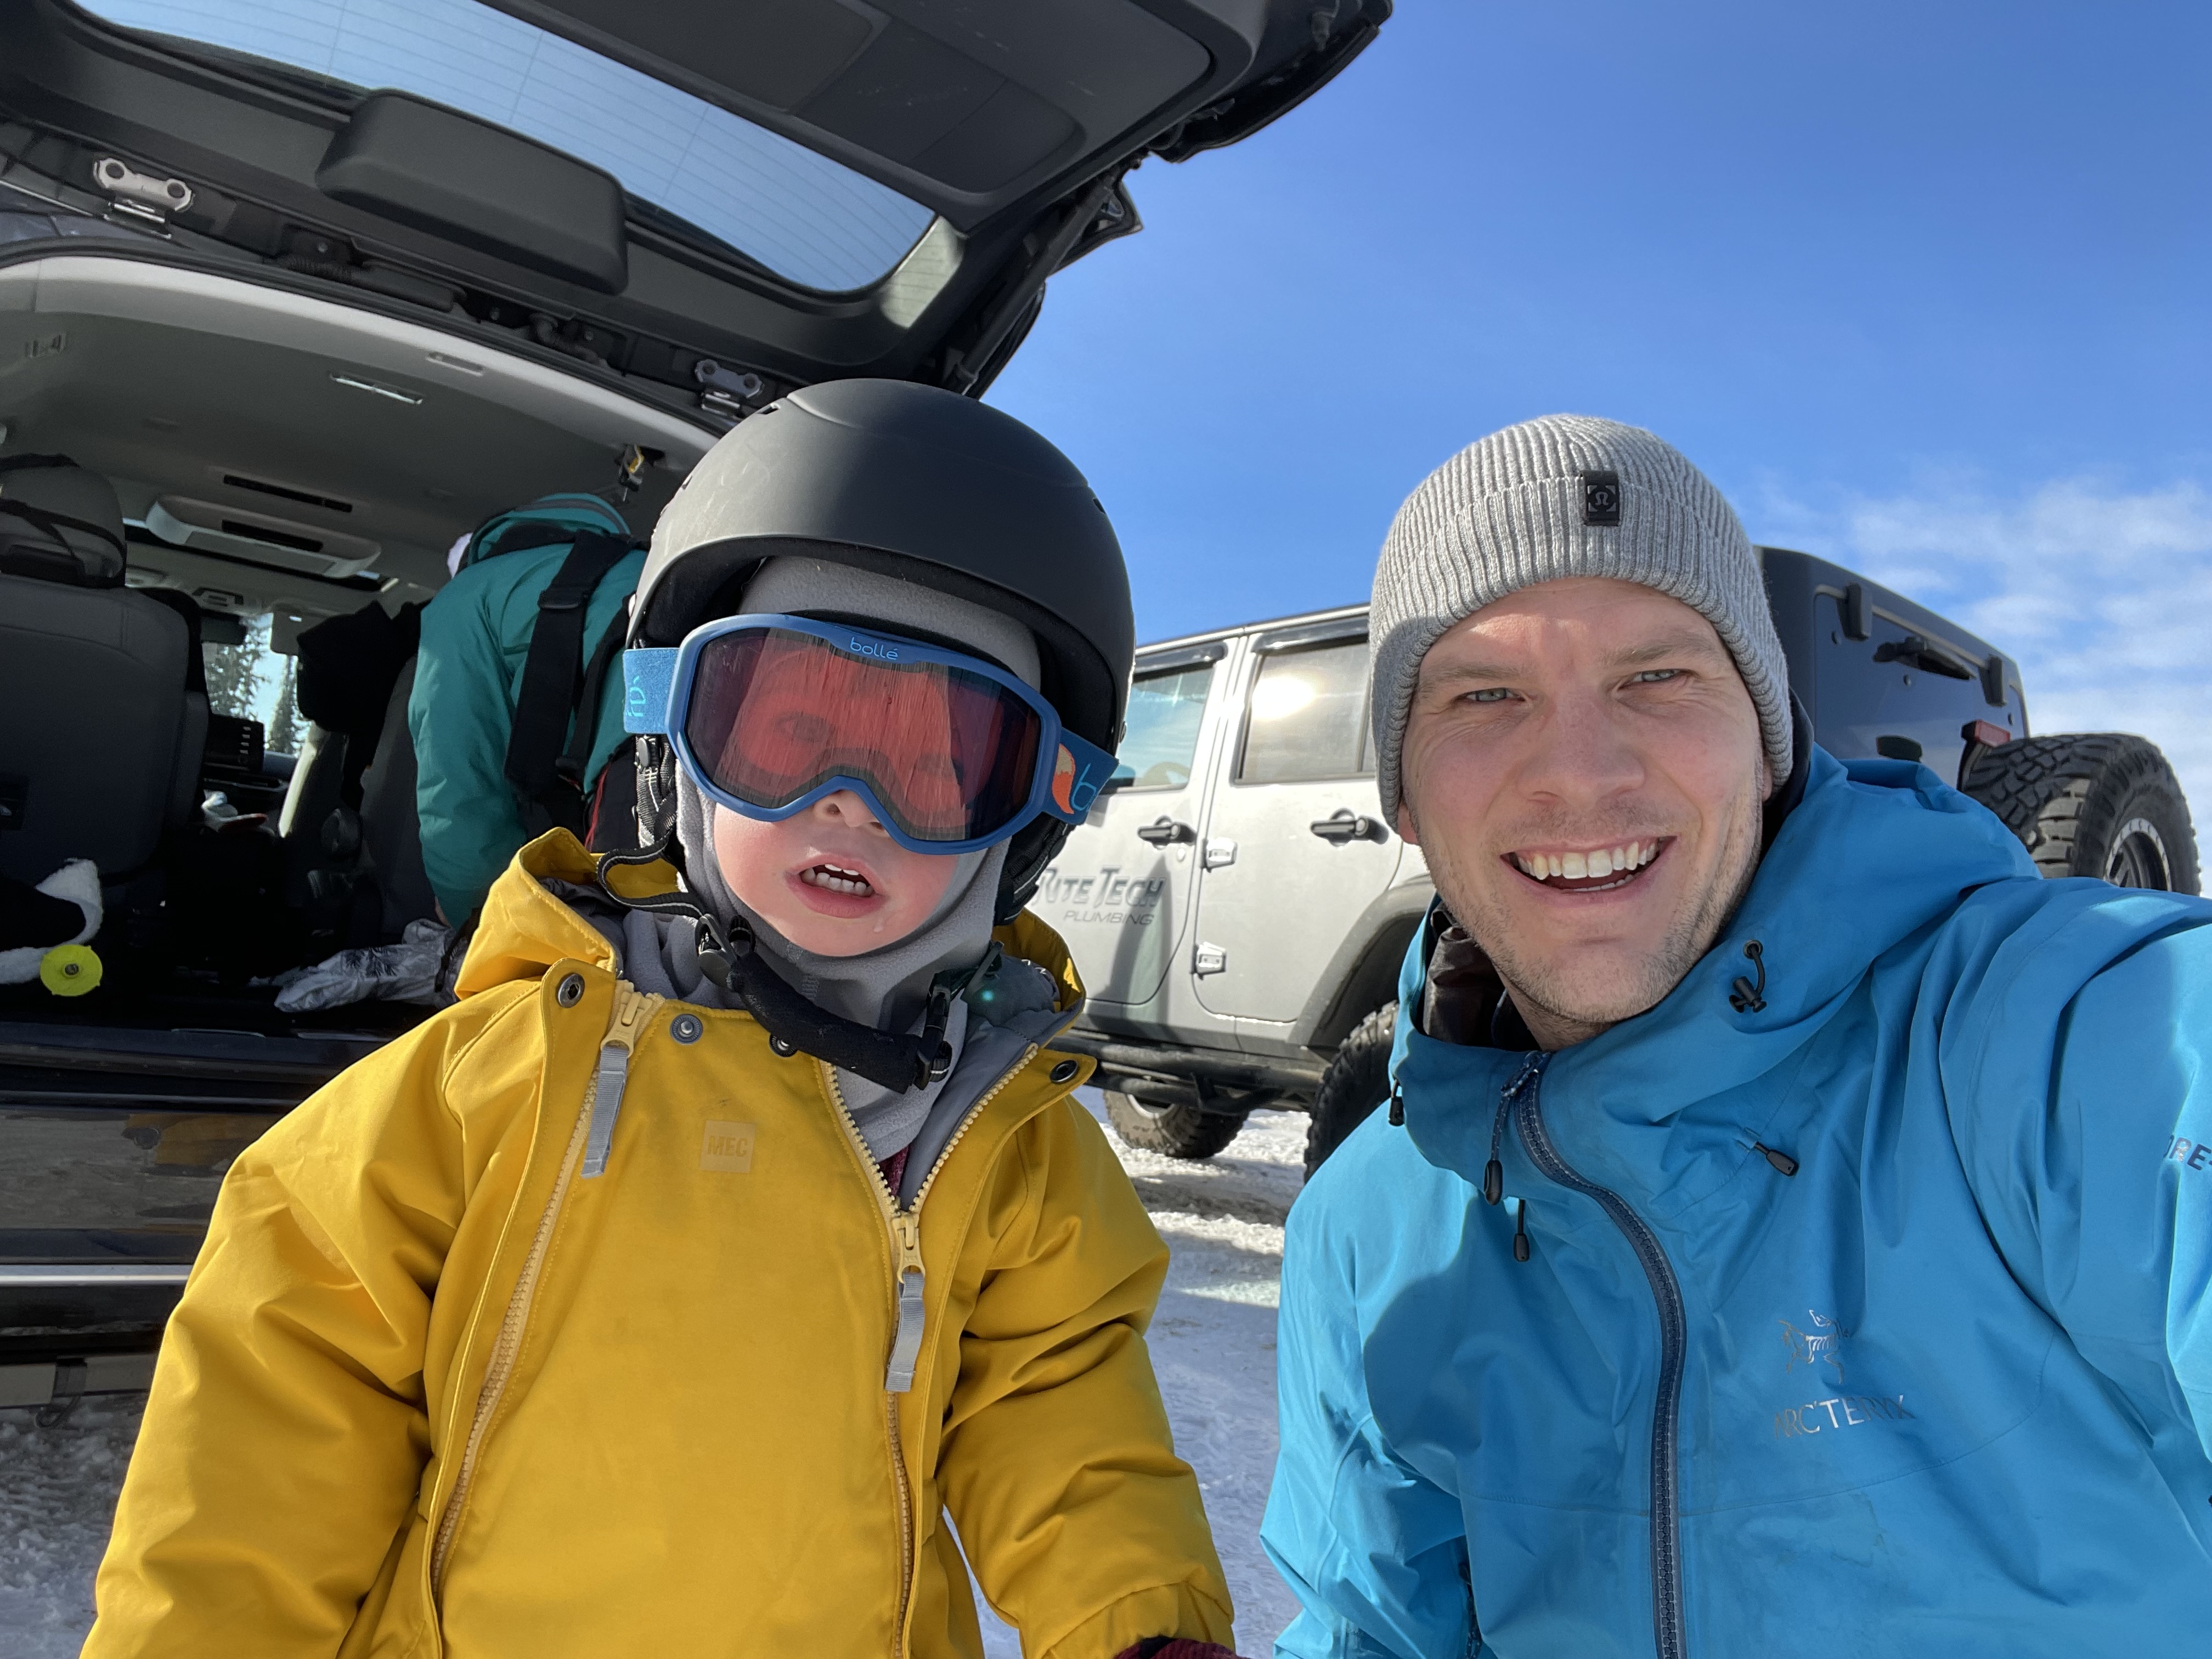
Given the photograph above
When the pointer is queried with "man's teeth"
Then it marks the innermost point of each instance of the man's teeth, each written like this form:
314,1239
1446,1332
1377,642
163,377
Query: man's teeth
837,879
1578,867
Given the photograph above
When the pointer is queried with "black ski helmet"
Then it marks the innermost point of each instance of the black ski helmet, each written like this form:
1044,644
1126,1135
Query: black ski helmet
923,484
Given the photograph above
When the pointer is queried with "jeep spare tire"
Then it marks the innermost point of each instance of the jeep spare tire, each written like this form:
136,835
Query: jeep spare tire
2102,803
1357,1080
1176,1131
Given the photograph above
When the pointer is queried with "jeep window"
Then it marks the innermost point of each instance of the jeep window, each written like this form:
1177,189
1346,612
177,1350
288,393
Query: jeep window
1902,692
802,216
1165,712
1308,716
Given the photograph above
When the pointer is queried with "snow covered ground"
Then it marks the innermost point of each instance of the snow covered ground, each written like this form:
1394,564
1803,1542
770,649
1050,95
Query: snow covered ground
1213,1343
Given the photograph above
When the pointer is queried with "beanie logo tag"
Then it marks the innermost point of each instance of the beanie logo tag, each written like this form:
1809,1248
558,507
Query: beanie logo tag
1601,497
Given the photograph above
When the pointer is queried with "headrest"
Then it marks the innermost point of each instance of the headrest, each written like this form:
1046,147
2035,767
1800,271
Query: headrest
59,522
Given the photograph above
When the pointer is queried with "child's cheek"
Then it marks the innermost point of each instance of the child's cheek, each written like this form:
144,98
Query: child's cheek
739,851
922,878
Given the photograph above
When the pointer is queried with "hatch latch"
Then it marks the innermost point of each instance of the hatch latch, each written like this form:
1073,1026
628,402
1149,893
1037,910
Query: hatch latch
140,195
727,391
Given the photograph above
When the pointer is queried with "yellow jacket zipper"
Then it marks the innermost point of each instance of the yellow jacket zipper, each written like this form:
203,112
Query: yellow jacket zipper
632,1009
910,1289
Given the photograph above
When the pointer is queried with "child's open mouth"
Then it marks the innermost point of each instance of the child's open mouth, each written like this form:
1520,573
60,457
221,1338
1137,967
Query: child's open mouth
1598,871
836,878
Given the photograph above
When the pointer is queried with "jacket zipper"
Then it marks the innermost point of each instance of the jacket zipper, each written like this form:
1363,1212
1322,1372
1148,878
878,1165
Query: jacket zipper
911,1284
632,1009
1669,1634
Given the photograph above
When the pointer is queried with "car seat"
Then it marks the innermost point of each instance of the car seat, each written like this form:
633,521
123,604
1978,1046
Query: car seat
347,669
391,830
100,748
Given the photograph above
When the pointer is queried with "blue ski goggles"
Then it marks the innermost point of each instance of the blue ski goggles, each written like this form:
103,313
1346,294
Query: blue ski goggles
768,713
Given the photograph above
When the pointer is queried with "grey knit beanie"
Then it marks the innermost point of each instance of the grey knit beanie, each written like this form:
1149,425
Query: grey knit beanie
1566,495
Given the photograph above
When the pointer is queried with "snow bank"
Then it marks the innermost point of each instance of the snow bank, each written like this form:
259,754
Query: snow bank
57,1489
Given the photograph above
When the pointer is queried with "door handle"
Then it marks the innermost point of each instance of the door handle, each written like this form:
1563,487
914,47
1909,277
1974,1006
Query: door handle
1164,831
1343,825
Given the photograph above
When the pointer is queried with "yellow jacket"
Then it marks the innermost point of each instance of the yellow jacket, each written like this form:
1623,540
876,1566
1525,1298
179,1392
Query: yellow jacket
433,1389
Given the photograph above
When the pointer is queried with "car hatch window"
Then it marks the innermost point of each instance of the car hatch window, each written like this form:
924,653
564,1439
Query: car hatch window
803,216
1165,712
1308,716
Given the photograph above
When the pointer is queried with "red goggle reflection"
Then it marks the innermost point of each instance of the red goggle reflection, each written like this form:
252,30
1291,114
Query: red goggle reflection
949,756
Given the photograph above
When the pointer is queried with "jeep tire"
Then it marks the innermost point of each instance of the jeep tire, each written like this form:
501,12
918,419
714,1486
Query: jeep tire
1176,1131
2098,804
1357,1080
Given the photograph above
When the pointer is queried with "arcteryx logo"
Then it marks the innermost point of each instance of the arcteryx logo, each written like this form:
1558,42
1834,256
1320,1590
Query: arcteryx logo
1820,1343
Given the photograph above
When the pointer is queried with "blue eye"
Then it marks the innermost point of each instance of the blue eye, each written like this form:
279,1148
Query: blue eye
1492,693
1655,675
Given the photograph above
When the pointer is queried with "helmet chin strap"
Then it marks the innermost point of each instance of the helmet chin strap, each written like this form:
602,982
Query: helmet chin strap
728,957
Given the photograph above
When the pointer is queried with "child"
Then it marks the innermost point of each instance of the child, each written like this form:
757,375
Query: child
667,1295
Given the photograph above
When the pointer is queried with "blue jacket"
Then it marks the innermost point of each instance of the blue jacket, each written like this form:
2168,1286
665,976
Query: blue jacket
1948,1390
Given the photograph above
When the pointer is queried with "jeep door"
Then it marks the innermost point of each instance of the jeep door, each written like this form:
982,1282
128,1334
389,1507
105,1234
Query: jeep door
1120,891
1295,851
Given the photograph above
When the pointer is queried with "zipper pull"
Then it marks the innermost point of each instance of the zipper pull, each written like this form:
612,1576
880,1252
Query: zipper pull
1520,1230
906,1345
1781,1160
632,1008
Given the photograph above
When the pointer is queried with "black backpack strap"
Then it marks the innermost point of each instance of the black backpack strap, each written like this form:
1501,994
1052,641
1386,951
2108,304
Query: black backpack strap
550,676
576,760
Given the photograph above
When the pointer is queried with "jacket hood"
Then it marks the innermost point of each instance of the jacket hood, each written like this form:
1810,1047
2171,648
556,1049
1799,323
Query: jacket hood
548,519
1877,853
526,926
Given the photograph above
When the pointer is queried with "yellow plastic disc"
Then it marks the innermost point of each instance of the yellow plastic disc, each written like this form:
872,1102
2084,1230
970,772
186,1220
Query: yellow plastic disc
69,970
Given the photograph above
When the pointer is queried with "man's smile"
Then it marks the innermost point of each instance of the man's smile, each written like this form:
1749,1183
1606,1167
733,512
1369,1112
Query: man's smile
1588,870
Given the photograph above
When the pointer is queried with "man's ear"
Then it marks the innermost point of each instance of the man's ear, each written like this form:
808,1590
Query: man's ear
1766,776
1408,831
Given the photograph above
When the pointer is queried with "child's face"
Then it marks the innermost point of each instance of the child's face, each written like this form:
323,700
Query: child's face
831,879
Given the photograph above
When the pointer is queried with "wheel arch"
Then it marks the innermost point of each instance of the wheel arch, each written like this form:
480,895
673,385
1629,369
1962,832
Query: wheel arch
1363,974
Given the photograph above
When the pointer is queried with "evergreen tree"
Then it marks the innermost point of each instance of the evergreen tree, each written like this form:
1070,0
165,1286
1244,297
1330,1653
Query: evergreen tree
234,677
284,729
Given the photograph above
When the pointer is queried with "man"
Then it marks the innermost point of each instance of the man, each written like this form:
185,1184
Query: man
1795,1240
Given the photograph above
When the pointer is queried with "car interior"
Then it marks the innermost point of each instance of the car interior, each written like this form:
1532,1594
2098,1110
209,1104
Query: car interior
293,296
200,458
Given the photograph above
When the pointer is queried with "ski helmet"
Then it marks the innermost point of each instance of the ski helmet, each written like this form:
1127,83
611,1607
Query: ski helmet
920,483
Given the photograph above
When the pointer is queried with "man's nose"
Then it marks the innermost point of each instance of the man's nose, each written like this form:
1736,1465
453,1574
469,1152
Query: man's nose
1584,752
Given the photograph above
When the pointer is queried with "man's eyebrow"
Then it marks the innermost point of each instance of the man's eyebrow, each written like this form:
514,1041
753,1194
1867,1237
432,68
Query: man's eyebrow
1489,673
1681,642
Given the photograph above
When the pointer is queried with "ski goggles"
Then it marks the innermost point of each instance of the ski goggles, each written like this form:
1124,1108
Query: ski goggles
768,713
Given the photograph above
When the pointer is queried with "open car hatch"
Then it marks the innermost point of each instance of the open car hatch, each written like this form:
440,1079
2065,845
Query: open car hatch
705,200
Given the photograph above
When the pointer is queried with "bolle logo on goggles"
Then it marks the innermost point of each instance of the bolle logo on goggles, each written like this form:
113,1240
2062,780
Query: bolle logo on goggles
882,651
1072,790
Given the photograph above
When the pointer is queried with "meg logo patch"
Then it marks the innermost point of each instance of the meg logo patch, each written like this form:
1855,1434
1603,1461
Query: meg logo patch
727,1147
1601,497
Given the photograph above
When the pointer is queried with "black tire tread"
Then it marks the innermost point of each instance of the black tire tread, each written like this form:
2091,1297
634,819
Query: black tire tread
1182,1132
2065,795
1358,1081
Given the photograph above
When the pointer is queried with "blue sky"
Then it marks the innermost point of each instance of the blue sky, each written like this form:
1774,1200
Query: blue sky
1924,288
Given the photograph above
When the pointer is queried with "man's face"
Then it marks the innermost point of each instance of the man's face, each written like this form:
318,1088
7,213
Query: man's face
1583,768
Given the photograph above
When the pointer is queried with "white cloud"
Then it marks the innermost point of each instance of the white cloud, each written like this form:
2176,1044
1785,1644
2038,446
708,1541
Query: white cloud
2102,594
